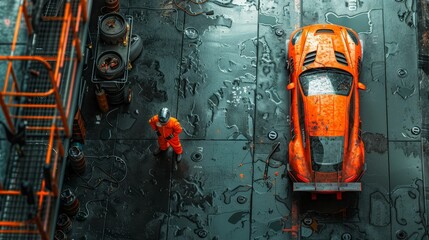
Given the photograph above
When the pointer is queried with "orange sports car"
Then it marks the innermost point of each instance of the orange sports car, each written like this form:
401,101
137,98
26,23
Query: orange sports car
326,152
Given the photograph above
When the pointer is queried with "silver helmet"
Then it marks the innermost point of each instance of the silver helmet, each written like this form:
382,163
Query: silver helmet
164,115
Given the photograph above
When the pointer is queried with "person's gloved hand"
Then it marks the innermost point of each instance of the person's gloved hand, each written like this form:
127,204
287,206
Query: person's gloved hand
169,137
158,133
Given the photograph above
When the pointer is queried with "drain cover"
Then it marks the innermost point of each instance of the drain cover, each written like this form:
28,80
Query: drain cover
401,234
196,156
346,236
308,221
280,32
81,216
415,130
402,72
202,233
191,33
272,135
241,199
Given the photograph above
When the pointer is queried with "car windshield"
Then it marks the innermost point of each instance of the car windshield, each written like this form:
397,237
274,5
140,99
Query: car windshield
326,81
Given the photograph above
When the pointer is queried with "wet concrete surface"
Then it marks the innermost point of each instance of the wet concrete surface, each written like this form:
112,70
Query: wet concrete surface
228,100
223,76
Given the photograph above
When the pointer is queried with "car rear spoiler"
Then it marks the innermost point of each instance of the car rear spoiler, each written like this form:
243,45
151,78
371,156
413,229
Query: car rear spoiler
327,187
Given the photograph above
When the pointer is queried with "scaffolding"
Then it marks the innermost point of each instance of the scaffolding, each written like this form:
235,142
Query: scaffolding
43,96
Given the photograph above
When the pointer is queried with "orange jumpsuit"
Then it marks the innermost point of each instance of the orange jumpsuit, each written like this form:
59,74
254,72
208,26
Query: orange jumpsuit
171,127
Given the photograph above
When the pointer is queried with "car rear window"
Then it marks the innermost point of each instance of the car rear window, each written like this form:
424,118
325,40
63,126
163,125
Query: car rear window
326,81
326,153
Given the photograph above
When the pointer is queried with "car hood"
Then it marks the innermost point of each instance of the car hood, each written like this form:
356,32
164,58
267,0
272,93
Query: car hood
326,115
317,48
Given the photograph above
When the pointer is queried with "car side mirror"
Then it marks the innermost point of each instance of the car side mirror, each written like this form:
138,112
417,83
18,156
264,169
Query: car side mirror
361,86
290,86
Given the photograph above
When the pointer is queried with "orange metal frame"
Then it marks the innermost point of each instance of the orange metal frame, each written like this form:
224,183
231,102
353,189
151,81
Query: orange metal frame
6,102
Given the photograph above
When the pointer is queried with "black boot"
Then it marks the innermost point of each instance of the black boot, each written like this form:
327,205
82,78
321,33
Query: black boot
179,158
157,151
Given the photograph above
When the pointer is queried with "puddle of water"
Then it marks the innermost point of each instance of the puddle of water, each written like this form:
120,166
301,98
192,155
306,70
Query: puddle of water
188,192
226,66
237,118
361,22
404,91
224,3
377,71
125,121
223,21
248,49
379,214
408,204
391,48
192,126
282,200
214,101
407,13
266,50
306,232
267,20
273,95
236,217
277,225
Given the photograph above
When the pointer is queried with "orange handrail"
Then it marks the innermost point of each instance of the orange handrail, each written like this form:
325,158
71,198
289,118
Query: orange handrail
17,193
15,39
27,105
27,18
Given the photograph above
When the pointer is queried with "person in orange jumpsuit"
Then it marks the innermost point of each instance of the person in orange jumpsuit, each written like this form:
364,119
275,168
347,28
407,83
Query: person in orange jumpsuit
168,129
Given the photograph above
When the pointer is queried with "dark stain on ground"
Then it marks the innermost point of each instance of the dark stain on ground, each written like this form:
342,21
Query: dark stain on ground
374,142
410,148
188,193
407,12
236,217
379,210
150,79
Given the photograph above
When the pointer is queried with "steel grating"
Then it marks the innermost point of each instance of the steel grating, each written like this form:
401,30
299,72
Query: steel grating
40,83
41,114
54,8
29,168
47,44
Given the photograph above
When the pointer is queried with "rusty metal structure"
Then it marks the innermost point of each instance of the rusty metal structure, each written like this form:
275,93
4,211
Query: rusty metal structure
44,96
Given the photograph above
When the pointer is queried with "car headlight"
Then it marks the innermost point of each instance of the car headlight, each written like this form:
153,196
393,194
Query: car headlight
296,37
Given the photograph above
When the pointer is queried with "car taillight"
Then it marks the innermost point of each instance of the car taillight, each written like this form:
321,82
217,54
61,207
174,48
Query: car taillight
301,178
351,178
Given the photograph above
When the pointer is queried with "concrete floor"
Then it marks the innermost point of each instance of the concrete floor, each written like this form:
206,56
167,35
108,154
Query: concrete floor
223,76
